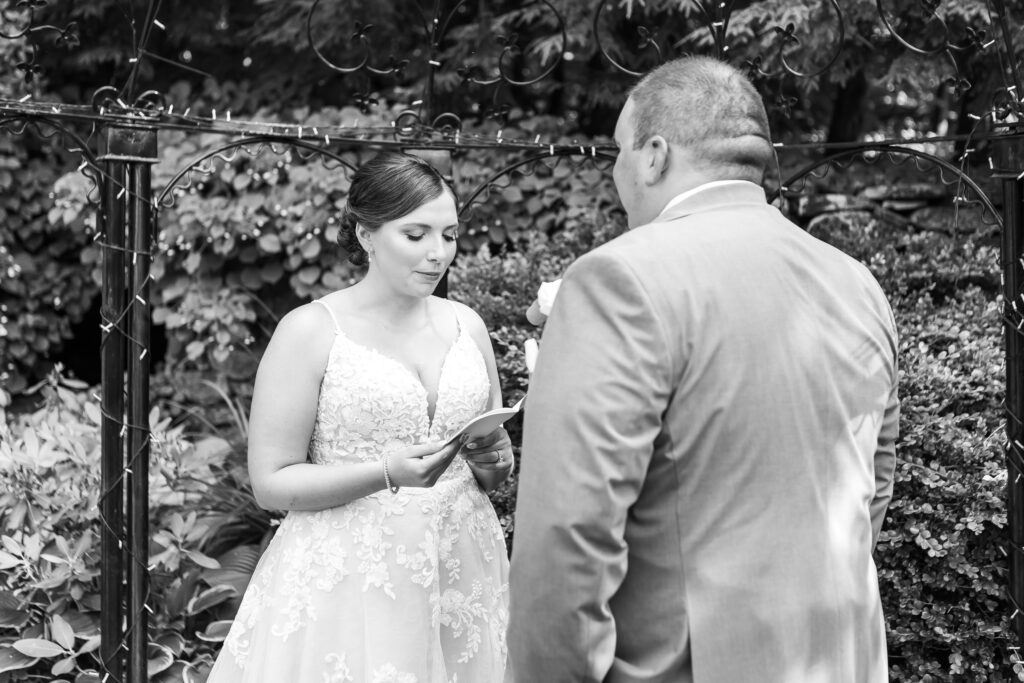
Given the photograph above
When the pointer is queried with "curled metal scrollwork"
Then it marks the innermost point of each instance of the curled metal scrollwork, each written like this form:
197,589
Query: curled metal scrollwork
528,166
361,33
410,127
945,44
28,29
789,43
646,41
251,146
930,8
48,128
779,50
511,50
150,104
948,173
435,29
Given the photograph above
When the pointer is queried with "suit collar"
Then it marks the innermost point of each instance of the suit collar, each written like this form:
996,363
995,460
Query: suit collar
710,196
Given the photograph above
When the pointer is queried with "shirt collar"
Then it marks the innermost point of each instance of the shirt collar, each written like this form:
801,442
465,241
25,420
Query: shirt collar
682,197
718,194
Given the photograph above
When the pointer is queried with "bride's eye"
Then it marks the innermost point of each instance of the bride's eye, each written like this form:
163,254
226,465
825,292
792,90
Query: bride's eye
415,237
451,236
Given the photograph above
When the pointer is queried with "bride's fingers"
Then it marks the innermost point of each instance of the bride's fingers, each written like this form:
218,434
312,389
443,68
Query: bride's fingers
495,457
503,462
441,457
495,441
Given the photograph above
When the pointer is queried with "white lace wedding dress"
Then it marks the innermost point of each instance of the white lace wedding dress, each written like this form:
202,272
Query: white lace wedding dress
406,588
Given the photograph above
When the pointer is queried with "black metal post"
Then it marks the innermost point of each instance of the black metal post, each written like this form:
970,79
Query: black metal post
140,227
112,463
1011,170
128,226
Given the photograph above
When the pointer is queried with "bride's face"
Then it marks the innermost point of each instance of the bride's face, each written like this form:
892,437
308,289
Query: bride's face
412,253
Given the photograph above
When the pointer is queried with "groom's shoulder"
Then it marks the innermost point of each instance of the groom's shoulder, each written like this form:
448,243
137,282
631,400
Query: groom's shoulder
612,250
638,244
624,256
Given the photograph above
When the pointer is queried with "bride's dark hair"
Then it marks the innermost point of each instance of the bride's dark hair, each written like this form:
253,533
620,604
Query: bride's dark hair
388,186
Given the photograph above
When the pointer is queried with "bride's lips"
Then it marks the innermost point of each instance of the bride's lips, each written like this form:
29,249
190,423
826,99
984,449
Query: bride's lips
430,275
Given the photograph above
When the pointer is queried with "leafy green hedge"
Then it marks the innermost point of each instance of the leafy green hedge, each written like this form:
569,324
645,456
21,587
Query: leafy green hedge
45,255
942,569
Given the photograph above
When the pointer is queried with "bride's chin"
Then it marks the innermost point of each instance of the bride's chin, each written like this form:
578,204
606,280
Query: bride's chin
422,291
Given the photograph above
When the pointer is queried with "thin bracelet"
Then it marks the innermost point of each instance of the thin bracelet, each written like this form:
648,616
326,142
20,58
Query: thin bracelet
387,477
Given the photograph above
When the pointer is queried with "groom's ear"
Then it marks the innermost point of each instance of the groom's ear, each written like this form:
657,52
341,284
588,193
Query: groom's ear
656,160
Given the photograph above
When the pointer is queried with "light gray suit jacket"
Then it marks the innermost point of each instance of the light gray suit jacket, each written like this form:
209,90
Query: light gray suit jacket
707,458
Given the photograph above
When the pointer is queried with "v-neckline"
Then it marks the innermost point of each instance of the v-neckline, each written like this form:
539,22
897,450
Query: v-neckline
431,414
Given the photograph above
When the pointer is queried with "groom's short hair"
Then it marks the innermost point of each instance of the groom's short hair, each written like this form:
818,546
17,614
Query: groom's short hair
709,107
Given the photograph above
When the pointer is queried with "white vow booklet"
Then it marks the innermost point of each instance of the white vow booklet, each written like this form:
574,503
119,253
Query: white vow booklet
485,423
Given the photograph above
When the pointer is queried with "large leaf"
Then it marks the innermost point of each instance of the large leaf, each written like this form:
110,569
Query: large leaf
12,613
8,561
85,625
38,647
89,645
173,674
63,666
201,559
173,641
236,568
159,659
210,597
196,673
62,633
12,660
180,592
216,631
271,272
270,243
309,275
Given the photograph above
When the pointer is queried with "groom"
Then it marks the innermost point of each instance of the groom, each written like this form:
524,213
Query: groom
708,448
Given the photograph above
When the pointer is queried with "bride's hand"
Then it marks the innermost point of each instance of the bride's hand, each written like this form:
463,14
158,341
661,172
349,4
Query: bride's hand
491,452
420,466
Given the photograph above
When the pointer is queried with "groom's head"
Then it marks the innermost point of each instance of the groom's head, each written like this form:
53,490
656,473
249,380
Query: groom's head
690,121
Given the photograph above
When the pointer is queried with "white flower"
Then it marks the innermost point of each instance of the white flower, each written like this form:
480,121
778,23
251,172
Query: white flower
546,295
531,349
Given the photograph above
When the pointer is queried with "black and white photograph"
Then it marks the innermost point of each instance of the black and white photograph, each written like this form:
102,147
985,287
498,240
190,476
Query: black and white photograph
511,341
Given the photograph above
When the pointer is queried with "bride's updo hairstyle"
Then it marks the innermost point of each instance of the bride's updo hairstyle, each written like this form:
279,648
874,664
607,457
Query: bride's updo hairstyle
388,186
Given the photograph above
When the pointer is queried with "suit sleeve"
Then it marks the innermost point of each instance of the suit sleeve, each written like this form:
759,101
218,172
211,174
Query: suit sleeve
593,412
885,451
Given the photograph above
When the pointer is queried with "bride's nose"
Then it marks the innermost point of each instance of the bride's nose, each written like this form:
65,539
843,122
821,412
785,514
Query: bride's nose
436,253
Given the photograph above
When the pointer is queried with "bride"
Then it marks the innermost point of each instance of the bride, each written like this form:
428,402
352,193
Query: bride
390,564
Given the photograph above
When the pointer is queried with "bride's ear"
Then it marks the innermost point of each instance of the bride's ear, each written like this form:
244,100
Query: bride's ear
363,235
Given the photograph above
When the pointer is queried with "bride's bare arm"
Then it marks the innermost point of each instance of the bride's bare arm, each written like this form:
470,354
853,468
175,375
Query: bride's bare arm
281,422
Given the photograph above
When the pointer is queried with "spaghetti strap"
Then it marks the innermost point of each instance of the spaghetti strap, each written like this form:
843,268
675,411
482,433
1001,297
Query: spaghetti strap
458,319
337,327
